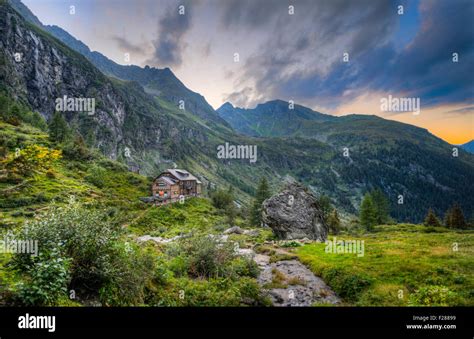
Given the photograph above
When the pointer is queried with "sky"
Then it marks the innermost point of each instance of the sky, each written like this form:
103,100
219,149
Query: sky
334,56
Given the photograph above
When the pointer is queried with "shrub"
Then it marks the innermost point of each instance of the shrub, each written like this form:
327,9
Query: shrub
206,257
431,219
32,158
98,260
129,272
224,201
244,266
96,175
433,295
345,284
76,149
47,280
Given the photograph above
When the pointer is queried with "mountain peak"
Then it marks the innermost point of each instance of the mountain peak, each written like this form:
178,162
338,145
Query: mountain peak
276,102
227,105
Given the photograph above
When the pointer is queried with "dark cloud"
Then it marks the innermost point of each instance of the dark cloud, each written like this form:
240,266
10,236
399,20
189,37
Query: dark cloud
426,68
303,50
171,29
302,57
127,46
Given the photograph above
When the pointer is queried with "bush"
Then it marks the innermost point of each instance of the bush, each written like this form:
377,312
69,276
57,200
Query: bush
433,295
206,257
81,234
47,280
99,261
31,159
96,176
129,272
224,201
244,266
76,149
345,284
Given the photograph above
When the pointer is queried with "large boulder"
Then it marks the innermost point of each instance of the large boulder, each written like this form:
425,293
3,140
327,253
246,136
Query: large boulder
294,214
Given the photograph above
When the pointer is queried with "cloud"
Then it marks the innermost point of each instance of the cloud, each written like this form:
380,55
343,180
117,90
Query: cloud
462,111
243,98
303,51
300,56
169,45
206,50
128,46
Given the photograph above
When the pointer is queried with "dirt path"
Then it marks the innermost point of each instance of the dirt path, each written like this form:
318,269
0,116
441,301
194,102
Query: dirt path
290,283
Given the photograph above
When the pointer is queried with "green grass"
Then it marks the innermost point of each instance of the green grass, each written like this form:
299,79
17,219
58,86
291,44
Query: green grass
196,215
398,264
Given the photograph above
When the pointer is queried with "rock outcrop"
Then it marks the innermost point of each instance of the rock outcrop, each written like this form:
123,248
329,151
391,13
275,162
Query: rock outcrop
295,214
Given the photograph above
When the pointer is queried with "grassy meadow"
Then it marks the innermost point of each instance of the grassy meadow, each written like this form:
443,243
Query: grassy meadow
403,265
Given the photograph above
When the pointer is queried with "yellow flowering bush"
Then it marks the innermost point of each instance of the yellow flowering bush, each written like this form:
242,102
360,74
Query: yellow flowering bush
33,158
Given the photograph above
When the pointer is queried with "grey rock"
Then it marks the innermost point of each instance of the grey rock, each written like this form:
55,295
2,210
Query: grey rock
158,240
234,230
245,252
252,233
295,214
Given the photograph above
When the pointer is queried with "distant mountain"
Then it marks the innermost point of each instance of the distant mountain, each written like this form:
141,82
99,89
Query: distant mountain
468,146
379,153
341,157
272,119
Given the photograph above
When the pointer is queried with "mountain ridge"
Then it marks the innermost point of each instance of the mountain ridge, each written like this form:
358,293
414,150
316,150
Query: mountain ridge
468,146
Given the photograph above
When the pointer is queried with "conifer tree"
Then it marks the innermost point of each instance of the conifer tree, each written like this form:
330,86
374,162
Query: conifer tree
58,128
431,219
263,192
334,222
381,205
454,218
368,213
325,206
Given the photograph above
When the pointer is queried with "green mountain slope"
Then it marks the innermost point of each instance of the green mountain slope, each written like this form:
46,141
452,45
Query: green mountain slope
368,152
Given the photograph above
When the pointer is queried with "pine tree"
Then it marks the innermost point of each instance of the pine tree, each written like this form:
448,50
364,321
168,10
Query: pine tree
76,149
325,206
58,128
381,205
431,219
448,218
334,222
368,213
456,218
263,192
